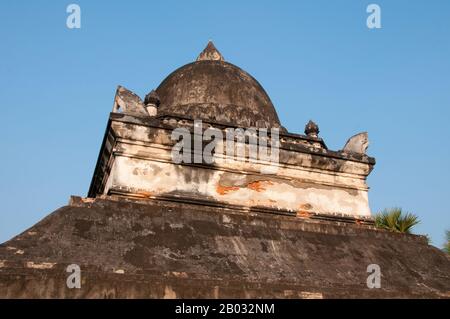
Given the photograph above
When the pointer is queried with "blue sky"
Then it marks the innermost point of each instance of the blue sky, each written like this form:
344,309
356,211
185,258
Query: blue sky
316,59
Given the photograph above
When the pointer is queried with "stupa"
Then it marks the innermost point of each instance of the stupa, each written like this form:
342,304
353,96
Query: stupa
293,224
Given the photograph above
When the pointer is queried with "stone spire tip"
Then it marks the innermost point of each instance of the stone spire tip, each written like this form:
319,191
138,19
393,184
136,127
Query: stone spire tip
210,53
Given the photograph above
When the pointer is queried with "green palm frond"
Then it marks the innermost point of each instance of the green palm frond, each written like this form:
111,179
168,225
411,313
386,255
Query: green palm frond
395,220
447,244
407,222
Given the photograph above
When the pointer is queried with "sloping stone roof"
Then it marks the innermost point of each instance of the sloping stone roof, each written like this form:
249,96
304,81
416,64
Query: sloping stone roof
156,249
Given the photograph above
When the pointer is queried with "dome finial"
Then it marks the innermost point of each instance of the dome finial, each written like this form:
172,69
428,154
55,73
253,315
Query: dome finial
210,53
312,129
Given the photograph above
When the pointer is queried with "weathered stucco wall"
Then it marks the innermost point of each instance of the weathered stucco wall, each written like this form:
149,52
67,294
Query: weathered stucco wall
152,178
140,164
